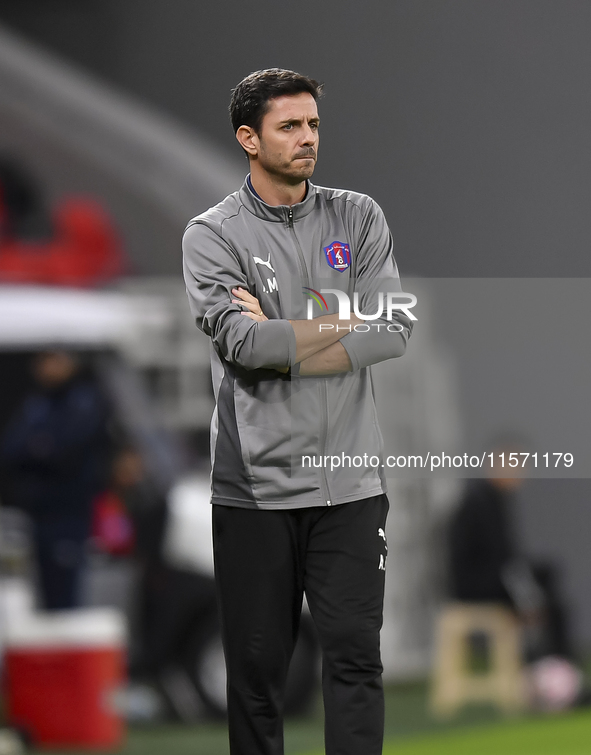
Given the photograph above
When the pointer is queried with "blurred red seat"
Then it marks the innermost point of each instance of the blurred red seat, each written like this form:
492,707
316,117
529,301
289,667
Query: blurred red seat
85,250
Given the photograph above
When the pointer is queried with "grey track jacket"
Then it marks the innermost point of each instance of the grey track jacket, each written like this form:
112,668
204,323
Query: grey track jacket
265,421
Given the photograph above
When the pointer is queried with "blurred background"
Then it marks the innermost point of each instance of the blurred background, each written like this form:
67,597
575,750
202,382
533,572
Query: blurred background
468,122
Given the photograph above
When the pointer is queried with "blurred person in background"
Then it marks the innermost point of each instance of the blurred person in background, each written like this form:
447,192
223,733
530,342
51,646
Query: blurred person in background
55,452
169,602
487,563
140,511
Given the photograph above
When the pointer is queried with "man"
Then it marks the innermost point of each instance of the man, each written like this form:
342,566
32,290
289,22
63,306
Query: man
291,391
486,563
55,450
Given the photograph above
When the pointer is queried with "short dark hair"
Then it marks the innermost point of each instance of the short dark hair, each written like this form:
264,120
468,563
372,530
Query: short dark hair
250,99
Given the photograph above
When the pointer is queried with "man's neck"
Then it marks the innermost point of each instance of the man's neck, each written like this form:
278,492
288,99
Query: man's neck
273,191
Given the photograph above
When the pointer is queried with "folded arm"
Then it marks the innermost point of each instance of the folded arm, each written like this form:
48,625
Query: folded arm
377,273
316,347
212,274
218,295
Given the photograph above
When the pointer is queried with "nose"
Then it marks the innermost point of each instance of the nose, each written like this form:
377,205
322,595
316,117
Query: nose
309,135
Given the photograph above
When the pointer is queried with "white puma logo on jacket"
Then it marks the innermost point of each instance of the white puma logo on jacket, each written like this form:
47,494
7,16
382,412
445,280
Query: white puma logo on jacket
266,263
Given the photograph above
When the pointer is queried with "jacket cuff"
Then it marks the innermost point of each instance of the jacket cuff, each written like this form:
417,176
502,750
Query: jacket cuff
276,339
349,348
365,349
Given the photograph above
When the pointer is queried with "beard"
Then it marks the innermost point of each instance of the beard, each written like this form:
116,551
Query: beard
292,171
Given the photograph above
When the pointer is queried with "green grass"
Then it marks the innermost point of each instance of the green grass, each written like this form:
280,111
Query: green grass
468,735
409,731
561,735
406,715
564,735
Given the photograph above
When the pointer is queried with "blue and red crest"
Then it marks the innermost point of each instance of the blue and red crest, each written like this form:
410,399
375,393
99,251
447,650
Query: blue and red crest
338,255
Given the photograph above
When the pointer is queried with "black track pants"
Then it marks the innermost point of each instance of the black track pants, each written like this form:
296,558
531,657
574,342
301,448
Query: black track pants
264,562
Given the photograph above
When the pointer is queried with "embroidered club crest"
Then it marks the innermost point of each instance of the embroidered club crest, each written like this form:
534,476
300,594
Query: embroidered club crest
338,255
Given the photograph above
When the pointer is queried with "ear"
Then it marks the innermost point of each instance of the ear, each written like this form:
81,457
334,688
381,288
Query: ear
248,140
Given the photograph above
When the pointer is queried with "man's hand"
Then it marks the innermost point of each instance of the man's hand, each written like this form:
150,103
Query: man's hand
251,302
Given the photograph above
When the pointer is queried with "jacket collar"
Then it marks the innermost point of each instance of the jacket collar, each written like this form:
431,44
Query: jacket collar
279,213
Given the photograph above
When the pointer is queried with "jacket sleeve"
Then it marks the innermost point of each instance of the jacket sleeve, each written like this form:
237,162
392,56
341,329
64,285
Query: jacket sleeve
212,270
376,272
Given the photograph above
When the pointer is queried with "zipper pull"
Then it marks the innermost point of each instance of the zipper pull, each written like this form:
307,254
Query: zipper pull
290,218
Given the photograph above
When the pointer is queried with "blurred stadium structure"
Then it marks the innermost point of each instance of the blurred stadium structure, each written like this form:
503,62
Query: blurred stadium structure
80,135
152,175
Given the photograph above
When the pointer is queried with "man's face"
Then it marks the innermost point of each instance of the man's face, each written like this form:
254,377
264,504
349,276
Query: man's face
287,146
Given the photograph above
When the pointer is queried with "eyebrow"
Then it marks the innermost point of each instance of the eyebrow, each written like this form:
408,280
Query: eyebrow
298,120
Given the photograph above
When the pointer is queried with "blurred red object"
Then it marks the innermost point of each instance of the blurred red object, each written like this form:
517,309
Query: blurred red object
112,528
62,673
85,250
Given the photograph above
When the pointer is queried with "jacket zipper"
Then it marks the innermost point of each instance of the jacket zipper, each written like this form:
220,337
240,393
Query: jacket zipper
301,258
324,429
321,383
